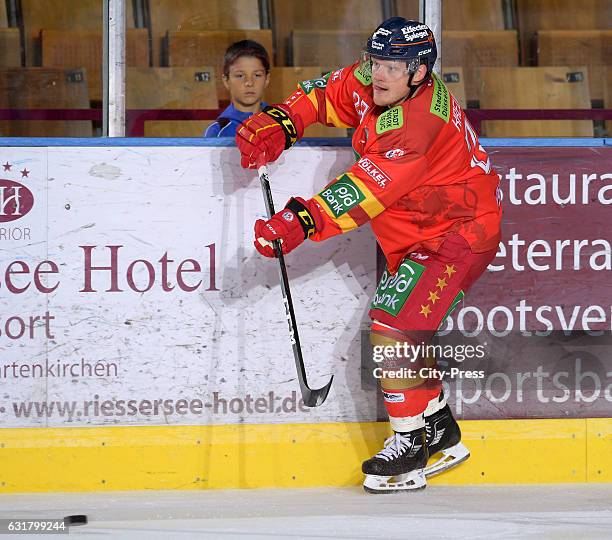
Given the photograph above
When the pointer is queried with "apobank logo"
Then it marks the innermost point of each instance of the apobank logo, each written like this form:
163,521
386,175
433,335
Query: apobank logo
342,195
16,200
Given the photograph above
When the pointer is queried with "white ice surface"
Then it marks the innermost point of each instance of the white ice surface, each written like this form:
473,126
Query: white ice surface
487,512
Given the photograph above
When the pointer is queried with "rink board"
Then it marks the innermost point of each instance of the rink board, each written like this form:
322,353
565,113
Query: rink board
242,424
289,455
131,292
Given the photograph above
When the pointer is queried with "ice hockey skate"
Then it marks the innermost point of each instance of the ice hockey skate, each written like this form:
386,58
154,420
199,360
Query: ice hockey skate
444,439
399,465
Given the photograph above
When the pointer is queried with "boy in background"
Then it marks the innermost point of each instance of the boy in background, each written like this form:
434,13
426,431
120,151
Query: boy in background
246,74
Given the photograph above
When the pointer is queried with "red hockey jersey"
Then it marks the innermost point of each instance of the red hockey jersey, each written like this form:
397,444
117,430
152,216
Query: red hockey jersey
420,174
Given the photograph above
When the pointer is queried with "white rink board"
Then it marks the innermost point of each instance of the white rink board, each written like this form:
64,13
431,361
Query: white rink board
224,347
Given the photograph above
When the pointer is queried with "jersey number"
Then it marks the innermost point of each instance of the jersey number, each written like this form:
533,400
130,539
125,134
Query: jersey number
361,107
477,152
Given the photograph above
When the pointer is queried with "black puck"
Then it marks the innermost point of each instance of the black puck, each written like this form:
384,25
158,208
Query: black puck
76,519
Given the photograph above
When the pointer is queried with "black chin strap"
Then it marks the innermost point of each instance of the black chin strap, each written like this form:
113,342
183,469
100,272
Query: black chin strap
415,87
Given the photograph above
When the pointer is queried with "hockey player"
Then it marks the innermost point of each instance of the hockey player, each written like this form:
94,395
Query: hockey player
425,185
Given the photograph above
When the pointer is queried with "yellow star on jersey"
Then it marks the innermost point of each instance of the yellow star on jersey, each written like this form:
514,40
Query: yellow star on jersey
441,283
433,297
425,310
450,270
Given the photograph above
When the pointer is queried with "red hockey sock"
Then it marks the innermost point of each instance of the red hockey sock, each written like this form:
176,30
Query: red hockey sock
409,402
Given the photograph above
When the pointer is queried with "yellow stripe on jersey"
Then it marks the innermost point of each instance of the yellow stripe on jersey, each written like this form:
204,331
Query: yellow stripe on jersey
344,194
332,115
312,96
370,205
344,221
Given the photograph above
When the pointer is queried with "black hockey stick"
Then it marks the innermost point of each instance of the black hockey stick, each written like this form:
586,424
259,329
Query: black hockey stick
313,397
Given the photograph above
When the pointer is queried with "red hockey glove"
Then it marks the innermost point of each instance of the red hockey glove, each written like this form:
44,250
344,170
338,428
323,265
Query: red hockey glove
263,137
291,226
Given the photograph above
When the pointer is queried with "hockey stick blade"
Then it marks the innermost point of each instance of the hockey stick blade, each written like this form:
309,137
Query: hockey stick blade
312,397
315,397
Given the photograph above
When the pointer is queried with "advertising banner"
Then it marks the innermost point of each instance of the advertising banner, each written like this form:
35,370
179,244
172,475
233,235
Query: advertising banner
543,310
131,293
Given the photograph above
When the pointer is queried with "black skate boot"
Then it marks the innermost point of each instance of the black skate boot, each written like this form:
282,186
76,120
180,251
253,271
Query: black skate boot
444,436
399,465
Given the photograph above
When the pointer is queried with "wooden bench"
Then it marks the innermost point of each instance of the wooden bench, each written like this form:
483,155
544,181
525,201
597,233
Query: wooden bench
535,88
534,16
289,17
61,15
193,15
44,88
461,14
172,88
83,49
331,49
10,47
409,9
454,81
3,15
473,50
592,48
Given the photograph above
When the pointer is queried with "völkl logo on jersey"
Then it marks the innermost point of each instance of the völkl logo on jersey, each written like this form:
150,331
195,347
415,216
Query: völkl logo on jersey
374,172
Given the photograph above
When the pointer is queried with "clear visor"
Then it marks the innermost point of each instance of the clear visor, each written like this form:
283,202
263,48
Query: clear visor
387,69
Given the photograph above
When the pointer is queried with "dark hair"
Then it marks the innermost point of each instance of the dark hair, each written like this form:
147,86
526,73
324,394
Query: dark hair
246,47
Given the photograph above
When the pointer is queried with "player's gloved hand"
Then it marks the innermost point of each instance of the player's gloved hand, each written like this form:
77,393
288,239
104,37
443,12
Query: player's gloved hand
263,137
291,226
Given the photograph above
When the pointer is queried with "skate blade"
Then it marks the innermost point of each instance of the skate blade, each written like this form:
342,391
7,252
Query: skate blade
412,481
451,457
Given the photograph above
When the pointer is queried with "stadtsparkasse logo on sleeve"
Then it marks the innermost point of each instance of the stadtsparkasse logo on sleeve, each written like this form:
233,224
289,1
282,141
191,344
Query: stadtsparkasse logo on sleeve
16,199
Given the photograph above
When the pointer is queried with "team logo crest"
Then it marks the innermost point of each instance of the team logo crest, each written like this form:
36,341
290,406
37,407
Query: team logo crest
395,153
16,200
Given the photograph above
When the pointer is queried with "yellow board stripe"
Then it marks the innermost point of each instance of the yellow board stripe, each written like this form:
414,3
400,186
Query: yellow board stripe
599,449
345,222
288,455
371,205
